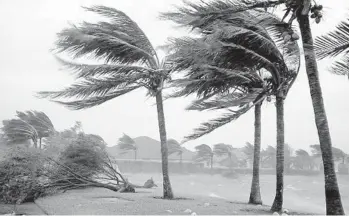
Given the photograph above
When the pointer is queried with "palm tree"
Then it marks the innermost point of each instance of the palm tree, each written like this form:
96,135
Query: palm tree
18,131
126,144
40,121
207,11
175,148
230,59
222,149
204,153
130,62
303,160
268,156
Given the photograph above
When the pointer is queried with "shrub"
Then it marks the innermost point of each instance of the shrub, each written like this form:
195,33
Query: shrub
19,173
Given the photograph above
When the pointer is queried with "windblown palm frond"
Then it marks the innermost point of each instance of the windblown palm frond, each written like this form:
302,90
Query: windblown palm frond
224,101
231,115
126,143
130,61
333,43
174,147
18,130
341,67
203,153
199,13
118,40
39,120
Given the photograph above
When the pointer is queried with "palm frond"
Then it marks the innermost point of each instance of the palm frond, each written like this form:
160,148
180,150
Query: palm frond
98,87
17,130
341,67
88,70
93,101
118,40
225,101
334,43
39,120
208,127
203,153
199,13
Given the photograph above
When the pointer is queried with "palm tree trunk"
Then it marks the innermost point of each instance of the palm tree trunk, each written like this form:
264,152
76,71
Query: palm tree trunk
167,190
255,195
280,144
333,198
40,142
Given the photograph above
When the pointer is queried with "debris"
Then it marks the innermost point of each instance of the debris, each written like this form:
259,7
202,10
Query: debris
169,211
206,204
275,213
193,214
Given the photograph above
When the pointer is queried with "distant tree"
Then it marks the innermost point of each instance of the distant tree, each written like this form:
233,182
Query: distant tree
40,121
338,154
204,153
126,144
174,147
224,150
249,151
302,160
268,156
19,131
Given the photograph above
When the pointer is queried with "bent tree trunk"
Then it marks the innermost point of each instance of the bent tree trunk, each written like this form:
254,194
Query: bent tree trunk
255,195
167,189
280,144
333,198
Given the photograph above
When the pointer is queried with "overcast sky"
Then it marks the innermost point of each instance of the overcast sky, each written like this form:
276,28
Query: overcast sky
28,31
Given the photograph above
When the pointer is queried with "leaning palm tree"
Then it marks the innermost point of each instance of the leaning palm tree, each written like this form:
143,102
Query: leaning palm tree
175,148
203,12
17,131
40,121
222,149
126,144
204,153
130,63
230,64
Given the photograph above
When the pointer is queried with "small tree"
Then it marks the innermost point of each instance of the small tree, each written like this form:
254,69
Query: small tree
204,153
174,147
224,150
126,144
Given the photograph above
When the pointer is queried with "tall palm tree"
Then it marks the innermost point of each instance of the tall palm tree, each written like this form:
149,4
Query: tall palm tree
126,144
130,62
175,148
230,58
204,153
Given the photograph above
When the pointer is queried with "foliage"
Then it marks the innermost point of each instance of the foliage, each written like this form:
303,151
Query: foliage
224,68
130,60
303,160
39,120
18,131
126,144
333,44
337,153
204,153
249,151
19,176
174,147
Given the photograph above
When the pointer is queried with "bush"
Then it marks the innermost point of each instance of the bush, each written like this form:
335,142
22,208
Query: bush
19,173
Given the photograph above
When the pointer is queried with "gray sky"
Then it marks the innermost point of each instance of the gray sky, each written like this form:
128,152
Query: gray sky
28,31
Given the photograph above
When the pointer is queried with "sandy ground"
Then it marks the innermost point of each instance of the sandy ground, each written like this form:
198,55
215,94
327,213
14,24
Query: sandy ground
97,201
205,194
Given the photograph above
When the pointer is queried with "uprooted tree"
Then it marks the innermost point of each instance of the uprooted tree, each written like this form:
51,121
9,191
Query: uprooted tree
27,173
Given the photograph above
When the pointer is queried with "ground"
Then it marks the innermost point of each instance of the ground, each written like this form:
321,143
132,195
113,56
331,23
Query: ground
205,194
